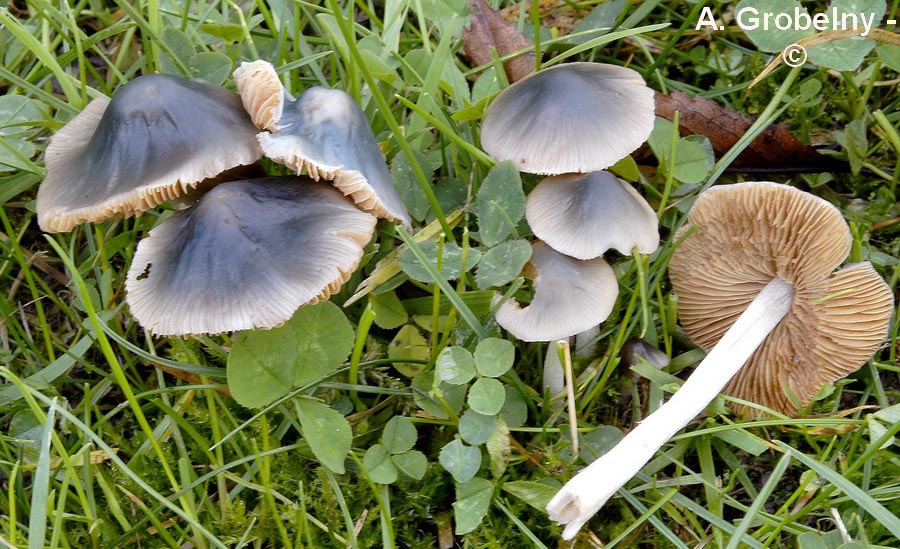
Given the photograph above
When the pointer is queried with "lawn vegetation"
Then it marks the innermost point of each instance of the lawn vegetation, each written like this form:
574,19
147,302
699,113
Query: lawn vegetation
411,419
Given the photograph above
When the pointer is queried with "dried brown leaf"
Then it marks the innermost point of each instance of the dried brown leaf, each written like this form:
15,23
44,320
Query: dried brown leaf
559,16
487,29
776,149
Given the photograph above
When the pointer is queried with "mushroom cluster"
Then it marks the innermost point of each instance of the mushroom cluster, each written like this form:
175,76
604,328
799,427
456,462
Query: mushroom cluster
248,252
757,288
570,122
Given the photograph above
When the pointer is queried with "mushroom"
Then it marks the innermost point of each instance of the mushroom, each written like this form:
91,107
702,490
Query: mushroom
324,133
755,285
636,350
157,138
574,117
246,255
262,93
769,231
583,215
570,296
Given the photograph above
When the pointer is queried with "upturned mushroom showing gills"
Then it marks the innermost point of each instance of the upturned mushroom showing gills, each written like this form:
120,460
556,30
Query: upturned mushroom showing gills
157,138
570,296
324,133
246,255
756,287
765,232
573,117
584,215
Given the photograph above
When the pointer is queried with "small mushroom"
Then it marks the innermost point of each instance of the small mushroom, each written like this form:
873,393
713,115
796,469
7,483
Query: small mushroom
157,138
570,296
636,350
756,287
324,133
583,215
246,255
573,117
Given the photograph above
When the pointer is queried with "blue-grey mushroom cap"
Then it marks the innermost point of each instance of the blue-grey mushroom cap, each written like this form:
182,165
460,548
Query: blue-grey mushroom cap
157,138
570,296
585,215
247,255
575,117
324,133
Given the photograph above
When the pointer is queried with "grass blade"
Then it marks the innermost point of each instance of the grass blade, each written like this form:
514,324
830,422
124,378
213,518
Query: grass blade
649,515
602,41
40,491
388,267
521,525
759,501
854,492
345,511
115,459
44,56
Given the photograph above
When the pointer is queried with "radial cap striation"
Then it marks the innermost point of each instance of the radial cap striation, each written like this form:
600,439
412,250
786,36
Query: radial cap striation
583,215
325,134
157,138
261,93
246,255
574,117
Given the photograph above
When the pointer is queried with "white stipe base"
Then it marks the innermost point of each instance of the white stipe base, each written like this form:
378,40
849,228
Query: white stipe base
589,490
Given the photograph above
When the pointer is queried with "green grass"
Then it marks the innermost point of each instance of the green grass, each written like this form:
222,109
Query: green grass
116,439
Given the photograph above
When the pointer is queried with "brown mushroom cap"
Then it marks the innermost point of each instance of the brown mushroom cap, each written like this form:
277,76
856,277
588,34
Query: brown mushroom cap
323,133
574,117
570,296
246,255
745,235
156,139
583,215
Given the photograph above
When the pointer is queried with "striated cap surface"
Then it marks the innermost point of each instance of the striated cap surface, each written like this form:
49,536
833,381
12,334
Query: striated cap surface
158,137
246,255
584,215
574,117
325,134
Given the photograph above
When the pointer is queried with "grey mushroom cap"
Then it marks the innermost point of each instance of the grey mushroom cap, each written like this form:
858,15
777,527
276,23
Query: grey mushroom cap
584,215
570,296
157,138
247,255
324,133
574,117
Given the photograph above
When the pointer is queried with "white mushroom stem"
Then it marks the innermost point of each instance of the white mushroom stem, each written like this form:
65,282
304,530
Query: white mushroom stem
554,375
589,490
586,341
582,343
